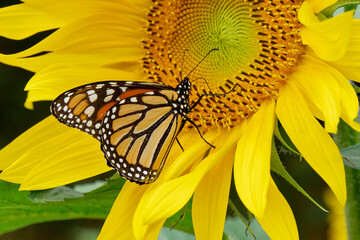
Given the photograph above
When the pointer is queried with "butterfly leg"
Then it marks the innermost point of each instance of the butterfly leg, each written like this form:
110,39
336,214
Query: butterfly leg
211,94
179,144
197,128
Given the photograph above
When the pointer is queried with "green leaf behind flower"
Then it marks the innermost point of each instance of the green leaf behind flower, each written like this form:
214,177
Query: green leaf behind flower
17,210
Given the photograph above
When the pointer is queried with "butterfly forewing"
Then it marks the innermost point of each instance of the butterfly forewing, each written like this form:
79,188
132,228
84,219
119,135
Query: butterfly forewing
138,132
84,107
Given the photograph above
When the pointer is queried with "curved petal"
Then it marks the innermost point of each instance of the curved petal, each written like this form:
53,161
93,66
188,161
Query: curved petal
210,200
252,159
50,82
23,20
318,5
20,21
51,154
166,198
78,160
192,154
349,101
278,220
41,132
313,142
329,39
118,224
320,90
349,64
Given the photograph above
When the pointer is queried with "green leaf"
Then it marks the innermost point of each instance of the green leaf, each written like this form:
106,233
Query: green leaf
235,229
351,155
57,194
17,210
348,4
277,167
284,138
181,220
173,234
346,138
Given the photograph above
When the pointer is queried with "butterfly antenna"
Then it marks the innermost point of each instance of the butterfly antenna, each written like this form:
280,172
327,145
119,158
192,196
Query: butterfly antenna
202,60
182,63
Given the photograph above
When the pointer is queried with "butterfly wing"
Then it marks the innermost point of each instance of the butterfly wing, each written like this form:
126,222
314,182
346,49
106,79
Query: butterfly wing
138,132
84,107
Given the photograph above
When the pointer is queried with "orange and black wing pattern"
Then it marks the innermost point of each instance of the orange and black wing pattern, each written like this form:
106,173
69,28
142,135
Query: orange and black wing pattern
84,107
138,132
136,123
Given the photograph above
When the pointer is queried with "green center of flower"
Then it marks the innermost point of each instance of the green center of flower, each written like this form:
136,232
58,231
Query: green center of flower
258,44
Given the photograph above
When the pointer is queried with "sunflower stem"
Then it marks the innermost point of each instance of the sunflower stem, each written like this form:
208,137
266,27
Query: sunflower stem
347,137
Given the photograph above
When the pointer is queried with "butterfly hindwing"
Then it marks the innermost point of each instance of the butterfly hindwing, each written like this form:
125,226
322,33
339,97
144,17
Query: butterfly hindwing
138,132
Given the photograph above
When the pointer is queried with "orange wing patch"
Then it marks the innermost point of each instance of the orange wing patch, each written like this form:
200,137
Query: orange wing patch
134,92
101,113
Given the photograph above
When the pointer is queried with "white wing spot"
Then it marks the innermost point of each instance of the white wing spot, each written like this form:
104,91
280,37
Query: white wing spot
108,98
110,91
98,125
89,110
90,92
133,99
93,97
66,100
123,89
89,123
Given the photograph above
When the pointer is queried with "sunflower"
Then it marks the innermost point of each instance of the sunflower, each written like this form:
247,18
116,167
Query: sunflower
285,63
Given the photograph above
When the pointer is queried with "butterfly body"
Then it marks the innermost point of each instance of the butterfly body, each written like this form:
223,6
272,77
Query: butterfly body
136,122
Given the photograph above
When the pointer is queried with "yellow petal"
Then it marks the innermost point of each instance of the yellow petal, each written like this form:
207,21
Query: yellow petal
21,20
50,82
193,152
118,224
42,131
349,65
278,220
313,142
336,218
252,159
211,200
165,199
52,154
320,90
349,101
329,39
318,5
91,59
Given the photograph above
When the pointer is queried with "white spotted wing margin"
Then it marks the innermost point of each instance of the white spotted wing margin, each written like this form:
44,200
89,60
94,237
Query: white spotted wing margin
138,132
84,107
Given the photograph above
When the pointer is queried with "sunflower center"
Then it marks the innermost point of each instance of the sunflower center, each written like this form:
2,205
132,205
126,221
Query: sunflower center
258,42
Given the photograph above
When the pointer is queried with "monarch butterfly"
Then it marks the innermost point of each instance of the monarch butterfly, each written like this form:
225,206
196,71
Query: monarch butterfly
136,122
